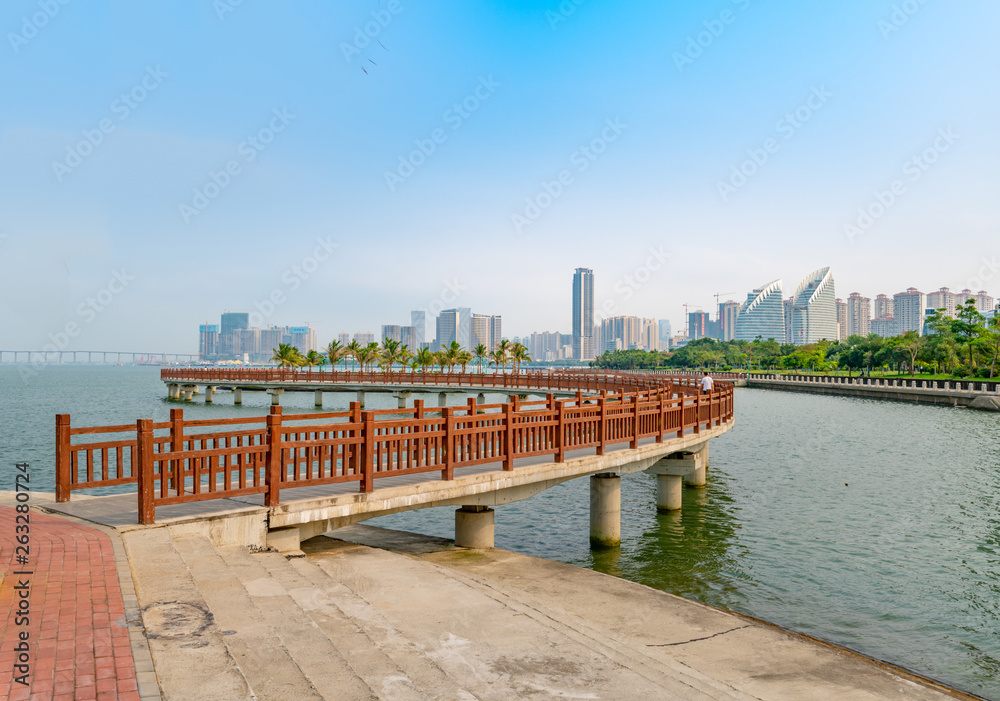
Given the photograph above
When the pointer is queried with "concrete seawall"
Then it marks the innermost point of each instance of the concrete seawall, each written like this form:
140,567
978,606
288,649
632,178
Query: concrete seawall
973,400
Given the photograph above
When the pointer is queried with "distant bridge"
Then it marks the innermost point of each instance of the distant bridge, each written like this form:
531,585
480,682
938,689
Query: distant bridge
93,357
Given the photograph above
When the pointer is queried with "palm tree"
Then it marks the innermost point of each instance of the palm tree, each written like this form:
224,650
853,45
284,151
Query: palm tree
312,359
451,353
480,354
425,358
464,358
405,357
499,359
519,353
287,356
504,348
335,351
441,358
390,353
353,348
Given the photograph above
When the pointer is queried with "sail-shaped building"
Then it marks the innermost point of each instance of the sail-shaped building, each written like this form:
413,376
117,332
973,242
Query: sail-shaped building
763,314
814,316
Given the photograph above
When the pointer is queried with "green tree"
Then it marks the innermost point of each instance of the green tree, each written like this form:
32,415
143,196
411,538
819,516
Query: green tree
424,358
968,327
336,352
481,354
287,356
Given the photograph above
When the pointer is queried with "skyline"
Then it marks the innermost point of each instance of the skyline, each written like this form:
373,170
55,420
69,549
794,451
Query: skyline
497,148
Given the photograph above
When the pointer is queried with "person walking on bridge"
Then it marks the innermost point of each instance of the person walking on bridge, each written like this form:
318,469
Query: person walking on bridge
706,383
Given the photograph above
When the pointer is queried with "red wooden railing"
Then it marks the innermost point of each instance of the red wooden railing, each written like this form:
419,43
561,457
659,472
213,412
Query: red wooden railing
181,461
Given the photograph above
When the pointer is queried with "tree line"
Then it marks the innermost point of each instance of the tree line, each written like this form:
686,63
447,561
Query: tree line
965,345
392,354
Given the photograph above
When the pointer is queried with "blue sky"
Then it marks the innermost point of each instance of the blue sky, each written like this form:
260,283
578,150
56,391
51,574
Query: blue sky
553,135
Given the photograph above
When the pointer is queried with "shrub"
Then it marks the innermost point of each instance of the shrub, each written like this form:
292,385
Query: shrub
961,371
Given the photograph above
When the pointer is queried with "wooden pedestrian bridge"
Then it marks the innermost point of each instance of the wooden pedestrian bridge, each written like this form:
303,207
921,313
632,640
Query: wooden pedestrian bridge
277,479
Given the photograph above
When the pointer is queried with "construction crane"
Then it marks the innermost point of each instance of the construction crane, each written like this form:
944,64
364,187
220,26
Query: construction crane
720,294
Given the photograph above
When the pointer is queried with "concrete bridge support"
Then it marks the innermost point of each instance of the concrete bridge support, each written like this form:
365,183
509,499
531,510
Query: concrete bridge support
275,396
318,399
605,509
361,398
173,391
481,398
189,392
474,527
442,399
209,394
401,398
237,395
669,492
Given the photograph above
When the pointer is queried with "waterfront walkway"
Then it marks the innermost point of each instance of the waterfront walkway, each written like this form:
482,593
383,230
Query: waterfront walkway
78,644
370,613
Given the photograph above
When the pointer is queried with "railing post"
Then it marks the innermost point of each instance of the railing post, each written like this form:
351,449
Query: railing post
176,445
144,469
64,462
354,453
448,465
508,436
660,422
635,422
368,452
560,435
697,413
275,468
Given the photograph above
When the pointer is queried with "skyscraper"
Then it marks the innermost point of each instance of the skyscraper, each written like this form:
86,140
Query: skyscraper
762,314
728,312
231,321
446,328
583,314
814,316
841,319
698,323
944,299
984,303
208,341
664,334
883,306
859,315
621,332
392,332
418,320
908,311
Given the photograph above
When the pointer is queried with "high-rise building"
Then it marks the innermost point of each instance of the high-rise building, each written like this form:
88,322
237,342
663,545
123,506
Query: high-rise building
698,325
944,299
446,328
908,311
208,341
665,334
621,332
583,314
364,338
883,307
392,332
464,327
788,307
883,326
246,343
344,338
481,324
814,317
984,303
728,312
650,335
303,338
408,337
762,314
231,321
418,320
841,319
859,315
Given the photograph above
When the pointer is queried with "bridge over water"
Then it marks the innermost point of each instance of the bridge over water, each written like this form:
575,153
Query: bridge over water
281,478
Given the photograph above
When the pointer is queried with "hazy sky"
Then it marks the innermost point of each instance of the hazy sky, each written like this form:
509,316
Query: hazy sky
361,158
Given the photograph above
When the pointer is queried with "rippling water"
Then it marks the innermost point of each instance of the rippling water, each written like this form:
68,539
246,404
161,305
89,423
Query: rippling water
869,524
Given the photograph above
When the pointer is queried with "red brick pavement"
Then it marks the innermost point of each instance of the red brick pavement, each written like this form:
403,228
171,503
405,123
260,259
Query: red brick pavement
78,636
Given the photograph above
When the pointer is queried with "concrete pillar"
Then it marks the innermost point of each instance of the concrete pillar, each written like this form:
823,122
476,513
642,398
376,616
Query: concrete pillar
188,393
318,398
275,396
696,477
361,398
442,399
481,398
605,509
474,527
669,490
237,395
401,398
173,391
209,394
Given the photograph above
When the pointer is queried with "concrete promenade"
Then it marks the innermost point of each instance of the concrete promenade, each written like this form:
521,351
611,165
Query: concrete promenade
890,389
369,613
